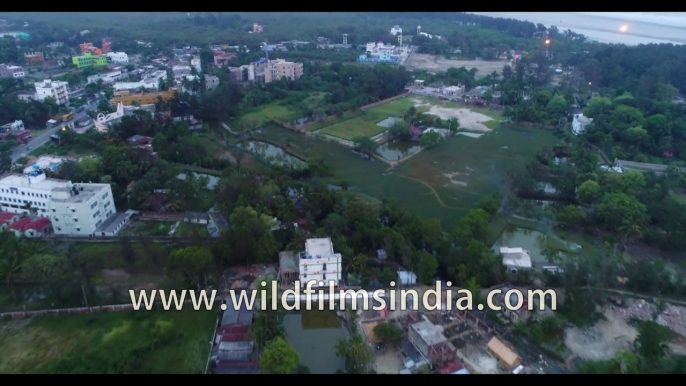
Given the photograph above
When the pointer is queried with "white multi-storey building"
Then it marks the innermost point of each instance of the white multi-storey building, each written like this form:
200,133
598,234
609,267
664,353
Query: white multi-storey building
80,209
11,71
18,192
109,77
53,89
319,262
75,209
118,57
579,123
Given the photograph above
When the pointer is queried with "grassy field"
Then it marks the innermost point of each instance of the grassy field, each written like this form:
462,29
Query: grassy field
364,124
462,170
275,110
191,230
155,342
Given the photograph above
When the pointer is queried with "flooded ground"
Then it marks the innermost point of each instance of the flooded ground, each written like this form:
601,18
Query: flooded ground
397,150
272,154
314,335
534,241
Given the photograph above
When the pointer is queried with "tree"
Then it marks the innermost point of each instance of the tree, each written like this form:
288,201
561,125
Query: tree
570,216
356,354
388,333
651,342
428,266
250,237
430,139
52,269
365,145
193,263
268,324
279,357
616,209
588,192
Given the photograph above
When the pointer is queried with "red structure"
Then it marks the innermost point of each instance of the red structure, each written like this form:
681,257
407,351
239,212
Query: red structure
106,47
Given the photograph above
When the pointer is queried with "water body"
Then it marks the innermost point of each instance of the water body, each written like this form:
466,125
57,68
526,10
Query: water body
314,335
642,27
272,154
212,181
396,150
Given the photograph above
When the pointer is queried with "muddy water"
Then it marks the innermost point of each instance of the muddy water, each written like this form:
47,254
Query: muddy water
314,334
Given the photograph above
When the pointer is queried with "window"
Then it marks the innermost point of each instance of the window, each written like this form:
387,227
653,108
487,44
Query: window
324,277
59,229
305,268
53,211
73,210
78,229
76,220
305,276
324,267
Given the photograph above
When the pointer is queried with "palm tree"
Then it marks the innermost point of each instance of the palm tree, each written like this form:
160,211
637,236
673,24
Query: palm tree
629,229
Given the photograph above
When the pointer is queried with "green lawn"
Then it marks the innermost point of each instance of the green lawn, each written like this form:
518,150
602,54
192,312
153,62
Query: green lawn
143,342
274,110
365,124
186,230
464,170
148,228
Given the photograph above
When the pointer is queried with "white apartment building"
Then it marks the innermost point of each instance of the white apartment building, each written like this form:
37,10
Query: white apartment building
53,89
118,57
11,71
17,192
396,30
74,209
79,209
277,69
319,262
181,71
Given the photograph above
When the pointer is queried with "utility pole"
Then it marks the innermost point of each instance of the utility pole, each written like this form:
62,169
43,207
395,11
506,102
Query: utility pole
85,299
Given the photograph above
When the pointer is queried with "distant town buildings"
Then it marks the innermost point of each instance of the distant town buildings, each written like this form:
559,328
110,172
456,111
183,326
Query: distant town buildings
89,60
103,121
181,71
89,48
149,82
7,71
195,63
515,259
52,89
118,57
222,58
380,52
256,28
107,78
396,30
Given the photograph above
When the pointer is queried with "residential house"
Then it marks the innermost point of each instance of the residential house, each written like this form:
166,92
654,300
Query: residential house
7,218
115,223
103,121
138,140
118,57
13,126
33,57
407,278
319,262
15,72
430,341
76,92
256,28
196,218
211,82
507,358
143,98
107,78
222,58
396,30
26,96
89,60
579,123
453,91
515,259
235,322
181,71
31,227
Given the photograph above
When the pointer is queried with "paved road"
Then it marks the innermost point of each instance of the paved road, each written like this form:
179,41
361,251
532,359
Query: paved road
34,143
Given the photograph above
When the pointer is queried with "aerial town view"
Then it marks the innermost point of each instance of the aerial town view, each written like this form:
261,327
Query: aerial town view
333,186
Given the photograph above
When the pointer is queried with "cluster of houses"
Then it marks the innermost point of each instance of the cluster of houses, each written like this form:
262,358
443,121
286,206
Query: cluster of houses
456,92
233,352
384,53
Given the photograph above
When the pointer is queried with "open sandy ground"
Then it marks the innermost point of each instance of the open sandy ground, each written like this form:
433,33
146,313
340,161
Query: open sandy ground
469,120
439,63
603,340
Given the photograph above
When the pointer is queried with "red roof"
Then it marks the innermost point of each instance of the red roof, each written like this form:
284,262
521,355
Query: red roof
451,367
6,216
38,224
20,224
26,223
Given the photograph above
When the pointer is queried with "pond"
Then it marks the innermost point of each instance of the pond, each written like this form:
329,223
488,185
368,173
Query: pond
534,241
396,150
314,334
212,181
272,154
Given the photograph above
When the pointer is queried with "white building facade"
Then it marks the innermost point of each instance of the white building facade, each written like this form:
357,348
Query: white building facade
319,262
579,123
53,89
118,57
396,30
79,209
74,209
11,71
109,77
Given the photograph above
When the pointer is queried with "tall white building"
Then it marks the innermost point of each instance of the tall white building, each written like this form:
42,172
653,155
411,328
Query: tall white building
319,262
75,209
118,57
53,89
195,62
396,30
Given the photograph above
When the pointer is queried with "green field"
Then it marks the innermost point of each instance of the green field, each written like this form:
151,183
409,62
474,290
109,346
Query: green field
144,342
420,184
364,124
274,111
463,170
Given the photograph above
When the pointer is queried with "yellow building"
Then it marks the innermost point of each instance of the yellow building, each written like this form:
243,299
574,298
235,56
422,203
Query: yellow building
143,98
